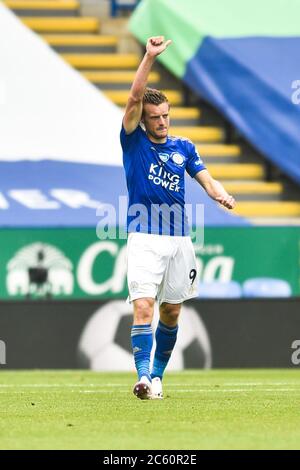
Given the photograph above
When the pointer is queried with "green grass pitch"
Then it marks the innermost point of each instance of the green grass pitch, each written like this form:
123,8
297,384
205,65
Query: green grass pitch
228,409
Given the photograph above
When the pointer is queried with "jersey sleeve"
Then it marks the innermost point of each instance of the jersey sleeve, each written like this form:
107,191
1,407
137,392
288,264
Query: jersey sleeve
194,163
128,140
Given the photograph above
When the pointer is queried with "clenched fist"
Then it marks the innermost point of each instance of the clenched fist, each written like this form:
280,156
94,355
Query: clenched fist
156,45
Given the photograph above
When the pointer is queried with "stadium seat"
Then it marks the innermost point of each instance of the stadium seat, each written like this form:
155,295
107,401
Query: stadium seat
220,290
266,287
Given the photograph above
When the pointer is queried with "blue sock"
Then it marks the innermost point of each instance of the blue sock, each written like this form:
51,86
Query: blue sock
165,341
142,341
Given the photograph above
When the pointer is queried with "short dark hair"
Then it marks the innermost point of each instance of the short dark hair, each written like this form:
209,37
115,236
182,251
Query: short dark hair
153,96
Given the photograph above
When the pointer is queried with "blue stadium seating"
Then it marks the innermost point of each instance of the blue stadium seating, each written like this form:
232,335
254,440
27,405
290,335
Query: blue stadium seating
266,287
221,290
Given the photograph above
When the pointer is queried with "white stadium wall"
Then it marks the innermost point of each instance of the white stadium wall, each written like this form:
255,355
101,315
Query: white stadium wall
47,109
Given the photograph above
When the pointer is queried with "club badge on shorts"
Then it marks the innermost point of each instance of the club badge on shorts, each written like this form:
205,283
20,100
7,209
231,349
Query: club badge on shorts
134,286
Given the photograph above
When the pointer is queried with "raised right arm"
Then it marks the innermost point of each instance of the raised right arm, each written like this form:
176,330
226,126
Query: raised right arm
134,107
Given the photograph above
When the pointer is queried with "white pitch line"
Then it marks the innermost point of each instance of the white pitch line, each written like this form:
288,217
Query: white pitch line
207,390
261,383
69,391
238,390
58,385
112,385
239,384
196,390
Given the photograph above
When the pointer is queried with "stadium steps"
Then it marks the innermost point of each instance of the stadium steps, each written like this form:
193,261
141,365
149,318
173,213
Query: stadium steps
81,43
236,171
116,79
198,133
183,116
254,190
102,61
220,153
219,150
120,97
268,209
62,25
182,112
78,41
185,113
33,8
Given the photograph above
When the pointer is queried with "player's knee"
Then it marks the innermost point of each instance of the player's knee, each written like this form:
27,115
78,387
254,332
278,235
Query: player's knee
143,311
169,313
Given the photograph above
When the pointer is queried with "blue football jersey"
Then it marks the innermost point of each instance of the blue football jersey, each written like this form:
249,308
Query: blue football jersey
155,181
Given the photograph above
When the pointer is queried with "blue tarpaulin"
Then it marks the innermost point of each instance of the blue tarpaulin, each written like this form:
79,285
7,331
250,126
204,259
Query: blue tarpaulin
250,80
63,194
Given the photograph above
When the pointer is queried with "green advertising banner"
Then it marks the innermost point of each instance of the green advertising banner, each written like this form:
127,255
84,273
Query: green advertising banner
75,264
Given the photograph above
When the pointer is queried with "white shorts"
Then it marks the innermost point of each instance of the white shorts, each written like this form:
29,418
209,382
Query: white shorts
162,267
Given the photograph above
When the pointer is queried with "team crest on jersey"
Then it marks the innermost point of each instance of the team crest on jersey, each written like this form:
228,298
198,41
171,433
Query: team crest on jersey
178,159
